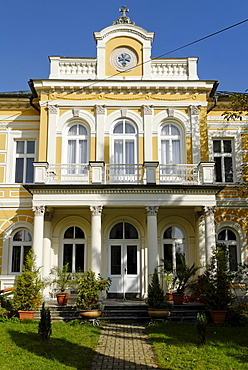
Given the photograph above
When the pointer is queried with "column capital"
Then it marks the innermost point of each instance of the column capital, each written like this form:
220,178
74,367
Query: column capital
52,109
148,109
96,210
152,210
100,109
39,210
209,211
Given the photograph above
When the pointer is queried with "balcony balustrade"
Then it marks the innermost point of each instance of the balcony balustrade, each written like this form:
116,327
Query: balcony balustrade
149,173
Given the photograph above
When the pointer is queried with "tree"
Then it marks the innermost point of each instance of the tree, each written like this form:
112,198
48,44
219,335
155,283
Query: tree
239,106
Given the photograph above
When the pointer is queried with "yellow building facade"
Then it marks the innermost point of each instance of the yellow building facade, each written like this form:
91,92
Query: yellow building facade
119,164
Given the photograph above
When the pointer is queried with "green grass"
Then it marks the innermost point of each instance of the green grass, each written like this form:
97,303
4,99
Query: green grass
176,346
69,347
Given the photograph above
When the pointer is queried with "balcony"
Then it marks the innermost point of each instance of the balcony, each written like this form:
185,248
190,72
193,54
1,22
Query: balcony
148,173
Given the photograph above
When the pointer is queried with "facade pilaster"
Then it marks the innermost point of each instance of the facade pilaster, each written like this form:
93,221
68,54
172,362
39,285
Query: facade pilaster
148,118
209,232
195,129
96,238
100,113
152,239
52,123
39,212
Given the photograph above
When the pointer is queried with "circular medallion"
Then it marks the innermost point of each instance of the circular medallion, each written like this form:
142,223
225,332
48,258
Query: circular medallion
123,59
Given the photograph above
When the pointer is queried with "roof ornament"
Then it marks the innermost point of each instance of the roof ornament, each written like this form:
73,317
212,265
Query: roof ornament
123,18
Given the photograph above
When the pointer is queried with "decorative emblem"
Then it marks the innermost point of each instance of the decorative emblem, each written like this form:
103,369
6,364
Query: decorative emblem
123,59
123,18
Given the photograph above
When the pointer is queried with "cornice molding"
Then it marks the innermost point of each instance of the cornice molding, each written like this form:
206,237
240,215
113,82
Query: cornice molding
152,97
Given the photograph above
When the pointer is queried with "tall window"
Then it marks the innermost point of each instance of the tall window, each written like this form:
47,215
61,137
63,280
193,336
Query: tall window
21,245
25,156
228,238
171,144
173,248
124,143
223,157
77,145
73,249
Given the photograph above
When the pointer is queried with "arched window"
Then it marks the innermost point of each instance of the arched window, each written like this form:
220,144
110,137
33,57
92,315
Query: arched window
123,230
228,238
21,245
173,248
171,144
74,249
124,145
77,141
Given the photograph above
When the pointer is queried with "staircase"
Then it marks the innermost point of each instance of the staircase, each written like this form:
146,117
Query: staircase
125,312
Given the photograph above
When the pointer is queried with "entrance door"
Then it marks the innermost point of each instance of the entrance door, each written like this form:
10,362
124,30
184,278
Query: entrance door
124,257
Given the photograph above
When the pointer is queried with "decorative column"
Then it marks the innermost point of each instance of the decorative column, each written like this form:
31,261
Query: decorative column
96,238
100,111
148,118
200,221
52,123
47,246
39,212
209,232
195,129
152,239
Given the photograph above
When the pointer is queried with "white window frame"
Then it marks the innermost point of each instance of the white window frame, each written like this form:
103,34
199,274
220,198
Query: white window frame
223,155
174,241
77,138
73,241
24,156
170,138
22,244
227,242
124,137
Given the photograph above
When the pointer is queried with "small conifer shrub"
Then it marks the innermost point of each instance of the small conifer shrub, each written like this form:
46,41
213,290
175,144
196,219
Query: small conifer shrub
201,327
45,325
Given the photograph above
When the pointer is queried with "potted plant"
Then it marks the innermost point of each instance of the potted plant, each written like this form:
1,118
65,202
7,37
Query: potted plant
62,279
27,294
216,285
89,288
157,308
182,280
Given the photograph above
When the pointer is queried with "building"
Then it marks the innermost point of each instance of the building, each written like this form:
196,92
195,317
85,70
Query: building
118,162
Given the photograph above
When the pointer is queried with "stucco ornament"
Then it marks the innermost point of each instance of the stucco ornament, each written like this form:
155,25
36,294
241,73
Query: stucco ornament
123,59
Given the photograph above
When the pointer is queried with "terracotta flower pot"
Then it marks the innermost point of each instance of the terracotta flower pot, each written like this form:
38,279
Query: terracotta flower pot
26,315
90,314
169,297
178,298
62,299
218,316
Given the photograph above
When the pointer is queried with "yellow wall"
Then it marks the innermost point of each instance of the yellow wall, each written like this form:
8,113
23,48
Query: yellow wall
125,42
58,150
42,156
204,135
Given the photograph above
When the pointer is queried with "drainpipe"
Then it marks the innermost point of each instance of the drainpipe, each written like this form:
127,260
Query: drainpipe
212,95
33,96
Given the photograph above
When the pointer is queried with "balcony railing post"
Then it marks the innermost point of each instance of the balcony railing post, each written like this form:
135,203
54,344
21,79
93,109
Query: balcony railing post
150,169
97,171
40,169
206,172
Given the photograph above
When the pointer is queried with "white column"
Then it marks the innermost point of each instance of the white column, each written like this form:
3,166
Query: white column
148,119
209,232
96,238
39,212
200,221
47,242
152,239
100,112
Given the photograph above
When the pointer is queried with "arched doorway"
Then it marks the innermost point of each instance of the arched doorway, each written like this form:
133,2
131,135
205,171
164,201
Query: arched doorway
124,260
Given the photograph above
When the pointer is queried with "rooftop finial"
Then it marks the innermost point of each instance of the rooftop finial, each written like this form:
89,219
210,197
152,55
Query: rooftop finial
123,18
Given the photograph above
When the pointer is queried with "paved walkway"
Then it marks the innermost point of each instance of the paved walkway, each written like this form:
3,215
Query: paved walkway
123,347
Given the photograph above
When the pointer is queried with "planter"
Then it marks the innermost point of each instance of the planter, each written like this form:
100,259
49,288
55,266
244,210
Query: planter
218,316
62,299
169,297
158,313
178,298
23,315
90,314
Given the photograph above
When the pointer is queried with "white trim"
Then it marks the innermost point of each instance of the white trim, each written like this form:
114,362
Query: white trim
133,116
67,117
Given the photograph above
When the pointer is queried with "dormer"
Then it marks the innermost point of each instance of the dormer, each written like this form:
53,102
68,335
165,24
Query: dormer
124,50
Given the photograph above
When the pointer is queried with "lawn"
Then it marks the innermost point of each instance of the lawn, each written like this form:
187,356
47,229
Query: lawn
176,346
69,347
